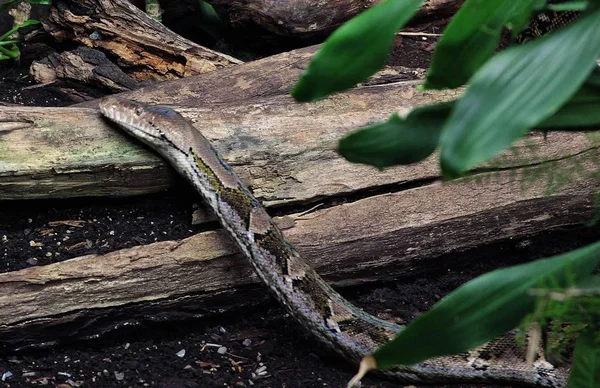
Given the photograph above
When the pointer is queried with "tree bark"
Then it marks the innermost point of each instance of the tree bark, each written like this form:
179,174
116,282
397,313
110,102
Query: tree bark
145,49
304,19
87,67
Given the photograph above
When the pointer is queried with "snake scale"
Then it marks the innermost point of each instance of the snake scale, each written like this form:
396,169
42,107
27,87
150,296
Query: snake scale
339,325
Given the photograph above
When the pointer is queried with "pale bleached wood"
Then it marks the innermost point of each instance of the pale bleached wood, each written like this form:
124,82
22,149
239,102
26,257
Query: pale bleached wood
373,239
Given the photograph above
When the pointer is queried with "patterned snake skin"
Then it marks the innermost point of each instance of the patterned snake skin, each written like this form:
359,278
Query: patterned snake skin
339,325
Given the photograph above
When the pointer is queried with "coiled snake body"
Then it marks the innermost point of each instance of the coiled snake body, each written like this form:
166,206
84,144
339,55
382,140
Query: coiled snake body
340,325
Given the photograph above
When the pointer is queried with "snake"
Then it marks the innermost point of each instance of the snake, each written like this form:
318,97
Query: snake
335,322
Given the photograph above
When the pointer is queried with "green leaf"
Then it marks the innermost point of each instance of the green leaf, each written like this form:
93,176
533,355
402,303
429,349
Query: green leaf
354,51
517,89
483,308
209,21
471,38
26,23
397,141
569,6
581,112
585,372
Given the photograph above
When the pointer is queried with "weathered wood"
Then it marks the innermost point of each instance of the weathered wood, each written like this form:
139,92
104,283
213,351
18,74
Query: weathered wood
270,76
283,149
280,148
373,239
146,49
305,19
83,65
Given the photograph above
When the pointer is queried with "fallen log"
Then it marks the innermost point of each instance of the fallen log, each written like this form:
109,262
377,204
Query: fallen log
145,48
271,76
305,19
376,238
281,148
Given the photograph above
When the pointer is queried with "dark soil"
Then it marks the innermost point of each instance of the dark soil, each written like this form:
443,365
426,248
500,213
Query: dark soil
262,347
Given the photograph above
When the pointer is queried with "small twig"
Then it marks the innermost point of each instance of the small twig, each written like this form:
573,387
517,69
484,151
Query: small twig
418,34
38,85
297,216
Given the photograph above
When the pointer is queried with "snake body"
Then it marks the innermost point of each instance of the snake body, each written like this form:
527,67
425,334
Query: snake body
337,323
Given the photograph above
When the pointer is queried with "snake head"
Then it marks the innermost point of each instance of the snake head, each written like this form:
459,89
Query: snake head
150,123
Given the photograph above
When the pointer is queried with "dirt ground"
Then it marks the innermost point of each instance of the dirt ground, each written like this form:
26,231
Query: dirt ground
262,347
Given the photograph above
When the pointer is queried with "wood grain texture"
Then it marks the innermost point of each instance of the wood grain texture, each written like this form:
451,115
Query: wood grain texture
373,239
145,49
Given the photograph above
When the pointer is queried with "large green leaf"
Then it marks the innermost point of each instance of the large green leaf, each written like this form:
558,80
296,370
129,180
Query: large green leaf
397,141
517,89
581,112
354,51
410,140
585,372
483,308
471,38
26,23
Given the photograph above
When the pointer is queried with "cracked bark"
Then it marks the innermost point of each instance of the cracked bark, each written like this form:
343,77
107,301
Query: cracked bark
146,50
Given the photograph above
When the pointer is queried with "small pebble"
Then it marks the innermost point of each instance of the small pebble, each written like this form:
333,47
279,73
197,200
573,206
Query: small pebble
6,375
119,376
247,342
180,353
222,350
222,330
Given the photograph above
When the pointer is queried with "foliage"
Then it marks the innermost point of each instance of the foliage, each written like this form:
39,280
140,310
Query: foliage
8,46
484,308
209,21
551,83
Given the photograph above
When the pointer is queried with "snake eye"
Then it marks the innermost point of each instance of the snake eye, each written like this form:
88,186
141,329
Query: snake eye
138,111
